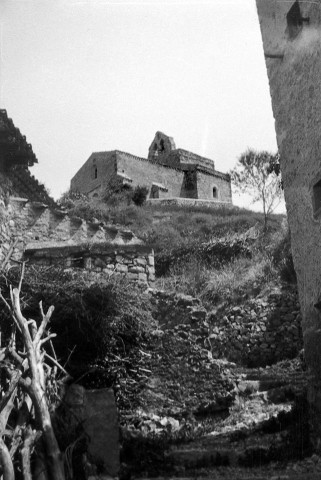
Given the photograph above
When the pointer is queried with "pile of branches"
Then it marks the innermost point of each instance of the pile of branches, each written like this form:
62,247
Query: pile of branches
30,377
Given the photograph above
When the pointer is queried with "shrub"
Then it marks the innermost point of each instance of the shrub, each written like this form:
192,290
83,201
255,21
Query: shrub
282,258
231,282
117,194
93,319
214,253
139,195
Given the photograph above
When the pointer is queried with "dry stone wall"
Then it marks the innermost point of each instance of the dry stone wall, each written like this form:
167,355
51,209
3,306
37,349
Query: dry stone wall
262,332
48,237
99,260
190,202
258,333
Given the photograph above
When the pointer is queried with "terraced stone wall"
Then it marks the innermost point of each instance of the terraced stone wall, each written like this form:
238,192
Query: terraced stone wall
258,333
99,260
33,231
190,202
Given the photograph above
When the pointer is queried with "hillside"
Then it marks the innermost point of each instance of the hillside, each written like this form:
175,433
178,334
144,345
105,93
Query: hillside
214,254
210,358
205,367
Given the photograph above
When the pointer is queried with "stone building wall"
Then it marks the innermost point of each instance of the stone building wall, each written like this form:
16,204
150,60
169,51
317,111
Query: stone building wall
291,33
146,173
188,183
206,183
93,176
167,172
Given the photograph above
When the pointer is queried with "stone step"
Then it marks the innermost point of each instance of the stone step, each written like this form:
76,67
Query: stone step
254,450
237,474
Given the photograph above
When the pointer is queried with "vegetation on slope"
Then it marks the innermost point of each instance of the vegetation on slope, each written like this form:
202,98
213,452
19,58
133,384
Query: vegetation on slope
108,332
218,255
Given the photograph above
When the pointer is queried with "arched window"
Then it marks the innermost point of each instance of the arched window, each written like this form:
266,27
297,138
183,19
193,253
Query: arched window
95,172
215,192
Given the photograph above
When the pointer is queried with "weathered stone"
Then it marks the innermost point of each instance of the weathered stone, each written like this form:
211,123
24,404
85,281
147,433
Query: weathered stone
141,261
133,276
99,262
96,411
142,277
121,268
136,269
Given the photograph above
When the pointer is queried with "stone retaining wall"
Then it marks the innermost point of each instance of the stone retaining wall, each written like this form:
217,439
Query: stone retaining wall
189,202
46,236
134,261
260,332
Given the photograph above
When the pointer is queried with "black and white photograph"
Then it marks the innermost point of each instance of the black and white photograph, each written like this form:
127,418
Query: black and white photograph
160,252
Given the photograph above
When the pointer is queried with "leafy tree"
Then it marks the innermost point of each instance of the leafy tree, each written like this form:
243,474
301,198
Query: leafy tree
253,174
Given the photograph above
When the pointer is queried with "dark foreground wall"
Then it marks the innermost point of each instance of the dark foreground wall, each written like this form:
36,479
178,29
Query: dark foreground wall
291,33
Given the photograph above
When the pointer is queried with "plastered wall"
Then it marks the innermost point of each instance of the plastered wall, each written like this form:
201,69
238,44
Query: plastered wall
293,60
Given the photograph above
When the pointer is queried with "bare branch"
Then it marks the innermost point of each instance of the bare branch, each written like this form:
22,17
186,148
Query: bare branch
29,440
46,339
44,323
15,355
23,418
15,377
6,462
23,266
57,364
53,350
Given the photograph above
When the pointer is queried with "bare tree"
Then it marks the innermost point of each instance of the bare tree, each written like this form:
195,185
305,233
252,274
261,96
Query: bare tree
253,175
27,373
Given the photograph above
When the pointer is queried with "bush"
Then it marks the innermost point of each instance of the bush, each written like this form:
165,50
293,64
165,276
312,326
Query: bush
93,319
211,254
139,195
117,194
231,282
282,258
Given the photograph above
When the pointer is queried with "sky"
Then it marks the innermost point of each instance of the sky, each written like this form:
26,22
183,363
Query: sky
78,76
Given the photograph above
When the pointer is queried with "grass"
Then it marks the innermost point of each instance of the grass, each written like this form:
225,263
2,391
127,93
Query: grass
233,282
161,226
180,237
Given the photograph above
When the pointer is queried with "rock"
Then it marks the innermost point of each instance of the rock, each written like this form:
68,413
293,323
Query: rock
96,411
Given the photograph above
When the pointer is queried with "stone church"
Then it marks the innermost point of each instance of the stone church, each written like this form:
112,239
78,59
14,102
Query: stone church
36,229
168,172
